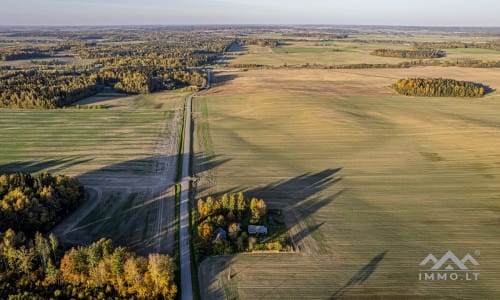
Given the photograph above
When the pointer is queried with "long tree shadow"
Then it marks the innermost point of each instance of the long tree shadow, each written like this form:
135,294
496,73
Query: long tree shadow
299,198
131,202
32,166
207,162
359,278
137,205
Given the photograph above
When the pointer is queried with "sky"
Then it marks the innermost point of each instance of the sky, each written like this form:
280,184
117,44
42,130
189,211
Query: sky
164,12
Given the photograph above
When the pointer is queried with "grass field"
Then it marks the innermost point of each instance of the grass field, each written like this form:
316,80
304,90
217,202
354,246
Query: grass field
371,182
295,53
125,156
314,52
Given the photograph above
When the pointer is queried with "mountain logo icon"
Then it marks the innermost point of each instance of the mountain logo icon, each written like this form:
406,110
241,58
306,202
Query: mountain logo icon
449,261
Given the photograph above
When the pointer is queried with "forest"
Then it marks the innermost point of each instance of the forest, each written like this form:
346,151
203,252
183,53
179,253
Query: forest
40,268
412,53
36,203
46,90
35,266
438,87
161,60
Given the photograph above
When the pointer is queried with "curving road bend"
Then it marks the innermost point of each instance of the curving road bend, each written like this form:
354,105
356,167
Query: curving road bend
185,257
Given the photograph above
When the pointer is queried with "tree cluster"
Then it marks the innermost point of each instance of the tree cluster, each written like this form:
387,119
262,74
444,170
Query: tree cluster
259,42
412,53
133,77
233,213
34,269
36,203
438,87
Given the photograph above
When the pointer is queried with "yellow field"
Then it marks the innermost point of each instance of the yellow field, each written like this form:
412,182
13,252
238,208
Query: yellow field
371,182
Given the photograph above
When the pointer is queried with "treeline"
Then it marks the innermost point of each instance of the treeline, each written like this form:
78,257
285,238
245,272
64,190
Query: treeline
239,66
45,89
15,53
438,87
36,203
37,269
259,42
322,36
30,52
412,53
454,45
380,41
466,63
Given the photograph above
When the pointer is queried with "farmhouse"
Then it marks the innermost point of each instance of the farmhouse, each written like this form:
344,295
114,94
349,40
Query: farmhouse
255,229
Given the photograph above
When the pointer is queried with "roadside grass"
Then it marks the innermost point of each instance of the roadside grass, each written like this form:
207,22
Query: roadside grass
176,251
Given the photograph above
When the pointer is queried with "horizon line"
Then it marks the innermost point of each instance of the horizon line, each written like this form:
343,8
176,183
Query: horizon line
248,24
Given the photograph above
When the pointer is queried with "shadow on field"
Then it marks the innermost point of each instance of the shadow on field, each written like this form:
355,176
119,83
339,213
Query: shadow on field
131,202
298,198
53,165
360,277
205,163
221,78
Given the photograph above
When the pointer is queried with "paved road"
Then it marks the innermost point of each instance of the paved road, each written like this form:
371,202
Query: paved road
186,283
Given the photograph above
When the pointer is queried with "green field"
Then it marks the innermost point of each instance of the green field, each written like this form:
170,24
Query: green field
125,156
372,182
339,52
313,52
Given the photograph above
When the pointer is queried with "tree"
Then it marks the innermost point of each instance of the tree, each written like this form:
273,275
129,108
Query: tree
42,249
205,230
232,203
24,259
225,202
161,269
241,204
233,230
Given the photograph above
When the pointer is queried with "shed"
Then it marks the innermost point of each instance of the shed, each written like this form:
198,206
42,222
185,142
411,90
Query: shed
220,234
257,229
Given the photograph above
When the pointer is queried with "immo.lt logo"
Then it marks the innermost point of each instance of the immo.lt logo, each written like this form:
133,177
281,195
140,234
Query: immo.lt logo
449,267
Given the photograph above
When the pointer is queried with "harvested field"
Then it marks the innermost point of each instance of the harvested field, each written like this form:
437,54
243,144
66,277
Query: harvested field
372,182
126,158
